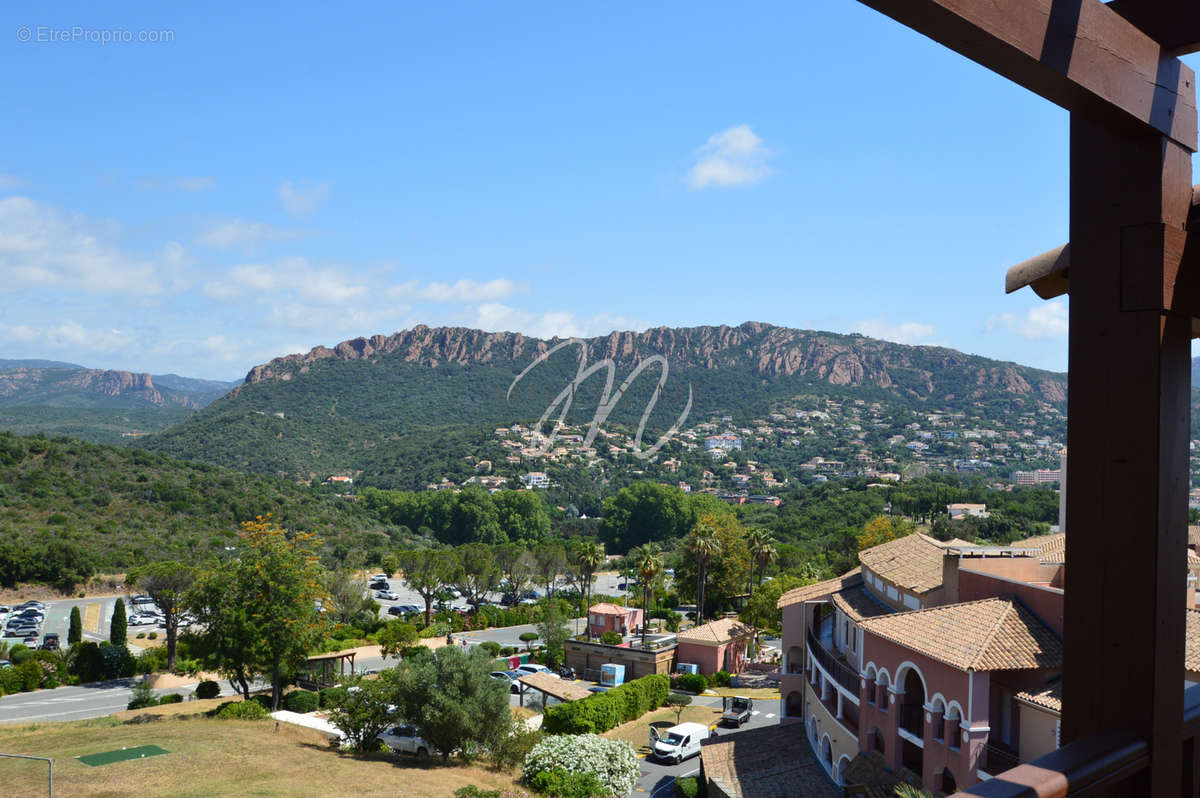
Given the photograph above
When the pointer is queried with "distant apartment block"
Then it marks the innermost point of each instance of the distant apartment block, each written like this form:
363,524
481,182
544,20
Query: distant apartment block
1042,476
536,479
726,442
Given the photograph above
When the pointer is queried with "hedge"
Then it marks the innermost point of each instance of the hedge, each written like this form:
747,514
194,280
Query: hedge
691,682
687,787
242,710
208,689
301,701
602,711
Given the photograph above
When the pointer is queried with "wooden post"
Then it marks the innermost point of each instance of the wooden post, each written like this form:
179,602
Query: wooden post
1127,447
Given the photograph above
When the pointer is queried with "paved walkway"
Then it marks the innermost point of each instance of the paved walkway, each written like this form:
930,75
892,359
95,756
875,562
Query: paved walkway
308,722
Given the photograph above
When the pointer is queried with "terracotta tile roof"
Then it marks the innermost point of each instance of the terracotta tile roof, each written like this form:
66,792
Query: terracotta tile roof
914,562
1193,535
562,689
858,604
604,608
721,631
820,590
767,762
1049,697
1191,642
1051,548
992,634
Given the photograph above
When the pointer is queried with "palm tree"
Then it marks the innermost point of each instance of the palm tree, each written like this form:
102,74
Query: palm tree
648,560
763,552
704,545
589,557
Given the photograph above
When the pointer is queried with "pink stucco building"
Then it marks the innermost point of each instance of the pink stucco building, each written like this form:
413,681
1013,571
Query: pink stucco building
605,617
941,657
715,646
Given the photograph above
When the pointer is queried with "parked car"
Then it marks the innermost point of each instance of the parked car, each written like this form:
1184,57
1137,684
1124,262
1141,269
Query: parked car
5,664
50,642
386,595
395,609
30,640
405,740
531,667
508,678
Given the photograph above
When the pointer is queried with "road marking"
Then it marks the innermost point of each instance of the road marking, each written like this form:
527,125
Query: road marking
755,712
91,618
770,715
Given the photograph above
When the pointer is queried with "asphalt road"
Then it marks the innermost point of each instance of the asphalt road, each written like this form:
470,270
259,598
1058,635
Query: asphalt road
78,703
658,778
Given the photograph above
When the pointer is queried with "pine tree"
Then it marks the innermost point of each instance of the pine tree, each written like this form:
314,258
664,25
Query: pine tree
75,632
118,629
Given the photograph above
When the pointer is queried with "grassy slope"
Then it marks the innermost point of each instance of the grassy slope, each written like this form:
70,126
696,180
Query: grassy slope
127,506
215,757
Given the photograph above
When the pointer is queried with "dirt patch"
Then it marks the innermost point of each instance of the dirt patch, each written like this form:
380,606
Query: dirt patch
102,586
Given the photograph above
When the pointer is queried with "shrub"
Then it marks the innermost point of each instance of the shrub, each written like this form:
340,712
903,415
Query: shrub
242,710
691,682
720,679
491,647
301,701
151,660
688,787
143,696
152,636
208,689
559,783
171,698
507,651
330,697
611,638
602,711
20,654
514,744
612,762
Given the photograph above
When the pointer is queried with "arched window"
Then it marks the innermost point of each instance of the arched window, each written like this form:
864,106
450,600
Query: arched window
795,704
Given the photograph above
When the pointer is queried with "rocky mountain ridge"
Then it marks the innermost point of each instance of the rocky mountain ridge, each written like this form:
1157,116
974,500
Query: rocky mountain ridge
766,350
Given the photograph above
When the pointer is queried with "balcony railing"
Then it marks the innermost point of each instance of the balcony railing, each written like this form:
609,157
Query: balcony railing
999,759
841,673
912,719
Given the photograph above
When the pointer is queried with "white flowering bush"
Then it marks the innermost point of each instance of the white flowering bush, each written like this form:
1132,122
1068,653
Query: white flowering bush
612,762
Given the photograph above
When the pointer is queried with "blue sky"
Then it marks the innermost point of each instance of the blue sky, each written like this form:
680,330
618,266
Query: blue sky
260,181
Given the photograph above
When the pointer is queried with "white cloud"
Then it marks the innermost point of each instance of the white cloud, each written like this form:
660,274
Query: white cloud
240,232
10,182
733,157
494,316
187,184
906,332
461,291
68,336
45,247
303,200
1048,320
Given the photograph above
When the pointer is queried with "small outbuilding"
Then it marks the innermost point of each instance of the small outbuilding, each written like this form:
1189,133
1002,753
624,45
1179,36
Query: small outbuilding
605,617
715,646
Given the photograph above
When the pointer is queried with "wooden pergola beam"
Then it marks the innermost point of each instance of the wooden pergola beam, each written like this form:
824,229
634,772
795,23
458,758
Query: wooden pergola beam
1079,54
1175,24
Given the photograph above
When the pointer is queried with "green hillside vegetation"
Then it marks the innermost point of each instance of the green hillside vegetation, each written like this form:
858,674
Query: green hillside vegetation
70,508
116,426
404,417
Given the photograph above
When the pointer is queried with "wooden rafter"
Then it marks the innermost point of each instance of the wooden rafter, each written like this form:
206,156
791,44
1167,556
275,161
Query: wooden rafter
1175,24
1079,54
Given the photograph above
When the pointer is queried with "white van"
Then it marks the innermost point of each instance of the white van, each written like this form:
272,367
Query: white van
678,742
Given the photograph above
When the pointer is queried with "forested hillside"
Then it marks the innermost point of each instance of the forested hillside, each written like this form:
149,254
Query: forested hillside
69,508
403,410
